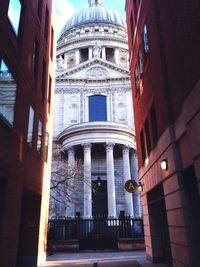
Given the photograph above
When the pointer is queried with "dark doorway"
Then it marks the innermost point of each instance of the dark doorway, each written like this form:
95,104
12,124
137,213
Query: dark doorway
2,201
159,226
29,229
192,212
99,198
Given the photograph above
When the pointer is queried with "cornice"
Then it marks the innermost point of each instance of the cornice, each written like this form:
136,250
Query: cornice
90,63
89,38
82,89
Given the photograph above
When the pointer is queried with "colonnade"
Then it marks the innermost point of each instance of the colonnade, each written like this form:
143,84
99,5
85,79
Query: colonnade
111,189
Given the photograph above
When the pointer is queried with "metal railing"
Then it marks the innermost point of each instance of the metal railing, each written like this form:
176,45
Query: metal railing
99,227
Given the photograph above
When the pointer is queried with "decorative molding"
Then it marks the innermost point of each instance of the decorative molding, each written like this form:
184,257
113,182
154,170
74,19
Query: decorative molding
125,150
87,146
97,73
110,146
106,90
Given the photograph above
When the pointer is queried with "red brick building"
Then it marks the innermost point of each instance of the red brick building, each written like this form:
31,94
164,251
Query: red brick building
164,41
26,82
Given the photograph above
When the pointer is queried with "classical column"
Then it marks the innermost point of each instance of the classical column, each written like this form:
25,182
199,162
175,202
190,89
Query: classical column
116,56
136,195
70,211
77,57
127,176
90,52
103,52
110,180
87,181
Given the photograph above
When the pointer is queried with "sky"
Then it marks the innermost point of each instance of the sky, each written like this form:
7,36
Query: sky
66,8
14,14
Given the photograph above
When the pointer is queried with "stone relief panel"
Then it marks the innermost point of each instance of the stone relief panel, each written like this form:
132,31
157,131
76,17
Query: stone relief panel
71,59
123,58
120,105
74,109
96,73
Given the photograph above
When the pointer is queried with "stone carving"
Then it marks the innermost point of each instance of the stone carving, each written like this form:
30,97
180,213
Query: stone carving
96,72
71,60
60,63
96,50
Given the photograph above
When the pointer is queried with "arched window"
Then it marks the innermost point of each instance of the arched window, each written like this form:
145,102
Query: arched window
97,108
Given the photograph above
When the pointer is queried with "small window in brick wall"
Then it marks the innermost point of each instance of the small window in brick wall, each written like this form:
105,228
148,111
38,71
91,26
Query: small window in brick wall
136,76
145,39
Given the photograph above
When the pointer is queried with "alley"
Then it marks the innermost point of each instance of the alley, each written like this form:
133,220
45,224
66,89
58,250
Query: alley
100,259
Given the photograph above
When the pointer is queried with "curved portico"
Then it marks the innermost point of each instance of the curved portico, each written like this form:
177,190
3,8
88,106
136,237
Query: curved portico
97,132
90,138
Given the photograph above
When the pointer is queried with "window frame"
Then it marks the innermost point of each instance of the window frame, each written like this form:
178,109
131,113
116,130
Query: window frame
145,39
31,120
100,108
12,19
10,75
39,138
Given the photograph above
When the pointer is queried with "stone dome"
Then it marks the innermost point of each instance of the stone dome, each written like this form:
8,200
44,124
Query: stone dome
95,13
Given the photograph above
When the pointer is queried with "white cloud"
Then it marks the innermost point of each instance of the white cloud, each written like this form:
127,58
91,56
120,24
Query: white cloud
64,10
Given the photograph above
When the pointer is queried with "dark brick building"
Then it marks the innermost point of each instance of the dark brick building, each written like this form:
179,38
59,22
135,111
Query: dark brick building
26,80
164,41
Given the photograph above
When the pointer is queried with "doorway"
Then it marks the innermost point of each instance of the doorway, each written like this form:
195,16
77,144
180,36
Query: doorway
99,198
193,212
2,201
159,226
29,229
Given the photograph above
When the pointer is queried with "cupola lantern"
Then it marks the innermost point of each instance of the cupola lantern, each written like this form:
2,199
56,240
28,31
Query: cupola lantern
96,2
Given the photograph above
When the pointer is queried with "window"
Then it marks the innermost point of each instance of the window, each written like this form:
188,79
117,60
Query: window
43,88
132,27
140,60
30,127
142,146
84,54
39,139
154,128
35,61
52,43
40,9
46,29
147,138
14,13
49,94
145,39
46,147
110,54
8,88
136,76
97,108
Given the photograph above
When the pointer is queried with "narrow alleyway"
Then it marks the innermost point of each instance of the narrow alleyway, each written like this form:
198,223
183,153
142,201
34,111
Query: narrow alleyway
100,259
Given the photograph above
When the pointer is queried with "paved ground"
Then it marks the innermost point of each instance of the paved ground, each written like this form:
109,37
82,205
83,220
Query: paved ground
100,259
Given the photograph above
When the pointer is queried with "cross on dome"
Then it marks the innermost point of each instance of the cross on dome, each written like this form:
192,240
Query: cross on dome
96,2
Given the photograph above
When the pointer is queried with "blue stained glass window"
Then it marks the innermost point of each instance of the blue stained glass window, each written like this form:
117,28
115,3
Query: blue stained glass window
14,12
97,108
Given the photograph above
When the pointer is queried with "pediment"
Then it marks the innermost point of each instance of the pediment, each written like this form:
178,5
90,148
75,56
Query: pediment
94,69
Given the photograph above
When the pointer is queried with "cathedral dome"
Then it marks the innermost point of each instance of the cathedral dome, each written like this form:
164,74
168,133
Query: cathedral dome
95,13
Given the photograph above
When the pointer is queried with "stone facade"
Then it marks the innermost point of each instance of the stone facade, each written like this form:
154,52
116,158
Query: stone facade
92,61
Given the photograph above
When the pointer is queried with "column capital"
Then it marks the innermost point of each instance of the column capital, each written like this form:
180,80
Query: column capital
125,149
110,146
70,149
87,146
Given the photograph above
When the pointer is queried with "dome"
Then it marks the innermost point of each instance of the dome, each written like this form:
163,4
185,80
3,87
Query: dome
95,13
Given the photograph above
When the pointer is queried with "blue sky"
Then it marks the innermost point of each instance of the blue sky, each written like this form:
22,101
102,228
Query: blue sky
14,14
66,8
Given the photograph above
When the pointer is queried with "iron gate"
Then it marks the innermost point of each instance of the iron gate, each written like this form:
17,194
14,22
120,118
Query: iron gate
99,232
